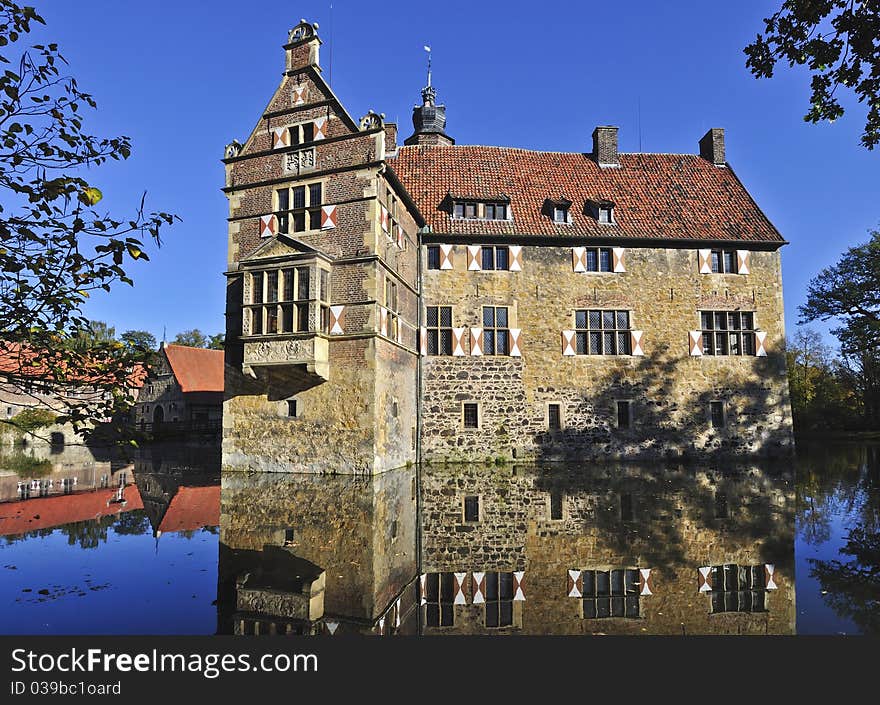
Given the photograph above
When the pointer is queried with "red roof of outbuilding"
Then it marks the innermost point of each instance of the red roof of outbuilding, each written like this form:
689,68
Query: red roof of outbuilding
668,196
196,369
192,508
49,512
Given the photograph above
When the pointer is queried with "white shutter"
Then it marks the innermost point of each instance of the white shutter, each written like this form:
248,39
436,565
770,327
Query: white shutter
760,337
475,258
320,132
337,319
575,583
445,256
704,259
568,344
280,137
646,585
458,341
579,259
636,343
476,341
617,259
519,594
770,577
704,579
268,225
742,262
459,589
328,217
513,340
478,587
696,342
515,252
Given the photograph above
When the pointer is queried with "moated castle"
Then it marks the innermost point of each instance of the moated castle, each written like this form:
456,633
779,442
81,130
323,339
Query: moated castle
443,302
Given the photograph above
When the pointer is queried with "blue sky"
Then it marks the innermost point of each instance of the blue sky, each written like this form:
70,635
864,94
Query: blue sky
182,79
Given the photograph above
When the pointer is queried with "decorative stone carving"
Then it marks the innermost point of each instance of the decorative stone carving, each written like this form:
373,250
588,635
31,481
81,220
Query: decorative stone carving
372,120
233,149
301,160
304,30
274,351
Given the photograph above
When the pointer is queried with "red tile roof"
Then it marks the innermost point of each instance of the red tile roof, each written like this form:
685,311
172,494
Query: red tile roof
192,508
670,196
49,512
196,369
24,362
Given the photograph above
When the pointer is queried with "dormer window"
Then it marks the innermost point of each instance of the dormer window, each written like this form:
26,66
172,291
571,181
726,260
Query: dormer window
558,210
476,210
606,213
601,209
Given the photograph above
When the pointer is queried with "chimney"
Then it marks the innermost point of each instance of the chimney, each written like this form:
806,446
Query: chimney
302,46
605,145
712,146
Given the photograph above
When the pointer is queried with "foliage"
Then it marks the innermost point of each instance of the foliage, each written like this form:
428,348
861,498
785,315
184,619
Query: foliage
836,40
849,291
56,248
139,340
823,396
32,419
194,338
25,465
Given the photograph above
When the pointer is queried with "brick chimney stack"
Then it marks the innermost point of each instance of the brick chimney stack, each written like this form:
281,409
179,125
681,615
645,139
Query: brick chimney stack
712,146
605,145
302,46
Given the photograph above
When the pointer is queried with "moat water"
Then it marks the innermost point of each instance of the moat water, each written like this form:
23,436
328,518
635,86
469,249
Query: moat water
160,543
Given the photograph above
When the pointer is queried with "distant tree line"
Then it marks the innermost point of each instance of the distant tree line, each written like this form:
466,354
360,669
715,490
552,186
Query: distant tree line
840,392
96,332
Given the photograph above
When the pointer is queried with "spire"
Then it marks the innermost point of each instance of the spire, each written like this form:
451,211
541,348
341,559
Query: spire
429,119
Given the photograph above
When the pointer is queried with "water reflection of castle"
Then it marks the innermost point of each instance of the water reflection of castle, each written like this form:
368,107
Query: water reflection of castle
511,550
176,486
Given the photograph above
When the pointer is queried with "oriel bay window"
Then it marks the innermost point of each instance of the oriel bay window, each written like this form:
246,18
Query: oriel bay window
280,300
728,332
600,332
298,208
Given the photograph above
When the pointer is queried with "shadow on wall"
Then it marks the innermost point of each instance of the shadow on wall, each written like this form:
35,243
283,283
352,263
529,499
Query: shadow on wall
733,416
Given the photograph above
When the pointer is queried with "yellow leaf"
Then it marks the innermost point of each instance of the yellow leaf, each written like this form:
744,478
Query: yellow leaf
90,196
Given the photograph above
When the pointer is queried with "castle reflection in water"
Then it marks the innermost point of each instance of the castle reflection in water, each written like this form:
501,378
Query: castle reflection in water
612,549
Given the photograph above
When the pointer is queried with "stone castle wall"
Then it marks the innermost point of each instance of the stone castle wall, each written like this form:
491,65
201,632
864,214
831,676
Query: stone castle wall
669,389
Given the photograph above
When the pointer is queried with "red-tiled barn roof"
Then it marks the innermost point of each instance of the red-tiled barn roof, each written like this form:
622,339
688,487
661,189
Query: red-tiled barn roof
196,369
192,508
672,196
49,512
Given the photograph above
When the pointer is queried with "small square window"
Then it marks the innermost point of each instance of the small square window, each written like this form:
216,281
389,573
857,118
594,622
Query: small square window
560,214
291,408
606,214
554,417
623,414
471,415
472,508
716,412
433,256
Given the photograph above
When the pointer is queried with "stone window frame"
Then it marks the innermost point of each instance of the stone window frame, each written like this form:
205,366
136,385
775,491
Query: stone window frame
438,328
725,419
428,250
516,605
299,129
721,253
579,332
747,337
311,211
479,425
464,519
630,412
715,595
627,594
561,405
444,606
549,507
510,312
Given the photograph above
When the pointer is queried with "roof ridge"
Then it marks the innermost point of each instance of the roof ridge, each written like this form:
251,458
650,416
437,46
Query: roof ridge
540,151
